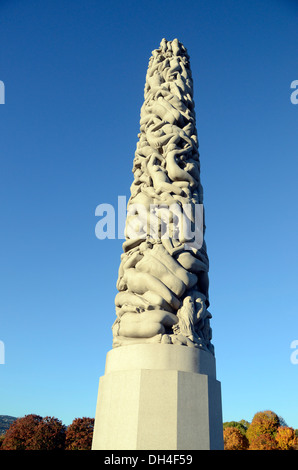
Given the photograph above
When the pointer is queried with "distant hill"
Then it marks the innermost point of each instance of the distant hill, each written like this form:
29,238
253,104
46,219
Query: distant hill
5,422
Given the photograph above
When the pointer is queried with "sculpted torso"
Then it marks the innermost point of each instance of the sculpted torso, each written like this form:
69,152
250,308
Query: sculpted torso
163,281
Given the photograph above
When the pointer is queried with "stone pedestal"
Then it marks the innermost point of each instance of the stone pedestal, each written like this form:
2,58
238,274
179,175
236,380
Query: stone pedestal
158,397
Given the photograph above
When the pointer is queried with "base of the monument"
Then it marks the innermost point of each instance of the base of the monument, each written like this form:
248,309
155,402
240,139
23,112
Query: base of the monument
158,396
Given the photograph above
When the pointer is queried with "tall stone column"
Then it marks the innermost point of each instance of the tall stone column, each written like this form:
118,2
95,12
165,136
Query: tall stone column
159,390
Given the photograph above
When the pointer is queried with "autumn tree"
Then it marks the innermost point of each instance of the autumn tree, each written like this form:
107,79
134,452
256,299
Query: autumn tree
79,434
263,442
286,439
32,432
234,439
237,424
20,432
262,430
48,435
2,436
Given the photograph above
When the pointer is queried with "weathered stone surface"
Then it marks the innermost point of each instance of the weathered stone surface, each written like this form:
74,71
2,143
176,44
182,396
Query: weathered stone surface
159,390
158,397
163,280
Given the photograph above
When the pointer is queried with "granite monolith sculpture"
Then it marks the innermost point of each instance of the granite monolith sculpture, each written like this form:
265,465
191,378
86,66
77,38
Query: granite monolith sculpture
160,390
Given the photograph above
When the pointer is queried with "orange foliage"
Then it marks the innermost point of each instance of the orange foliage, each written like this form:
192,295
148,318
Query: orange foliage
264,423
234,439
32,432
262,442
79,434
285,438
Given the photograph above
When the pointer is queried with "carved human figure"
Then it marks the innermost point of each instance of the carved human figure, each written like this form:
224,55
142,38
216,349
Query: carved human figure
163,280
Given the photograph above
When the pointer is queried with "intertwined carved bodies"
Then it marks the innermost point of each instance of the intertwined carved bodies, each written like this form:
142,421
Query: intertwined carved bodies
163,282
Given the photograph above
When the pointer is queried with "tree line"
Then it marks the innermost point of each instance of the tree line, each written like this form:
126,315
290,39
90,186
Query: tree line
267,431
33,432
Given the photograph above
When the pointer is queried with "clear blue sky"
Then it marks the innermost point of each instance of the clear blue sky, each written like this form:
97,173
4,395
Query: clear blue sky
74,74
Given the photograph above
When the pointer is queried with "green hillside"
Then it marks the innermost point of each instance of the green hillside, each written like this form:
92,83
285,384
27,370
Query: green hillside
5,422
